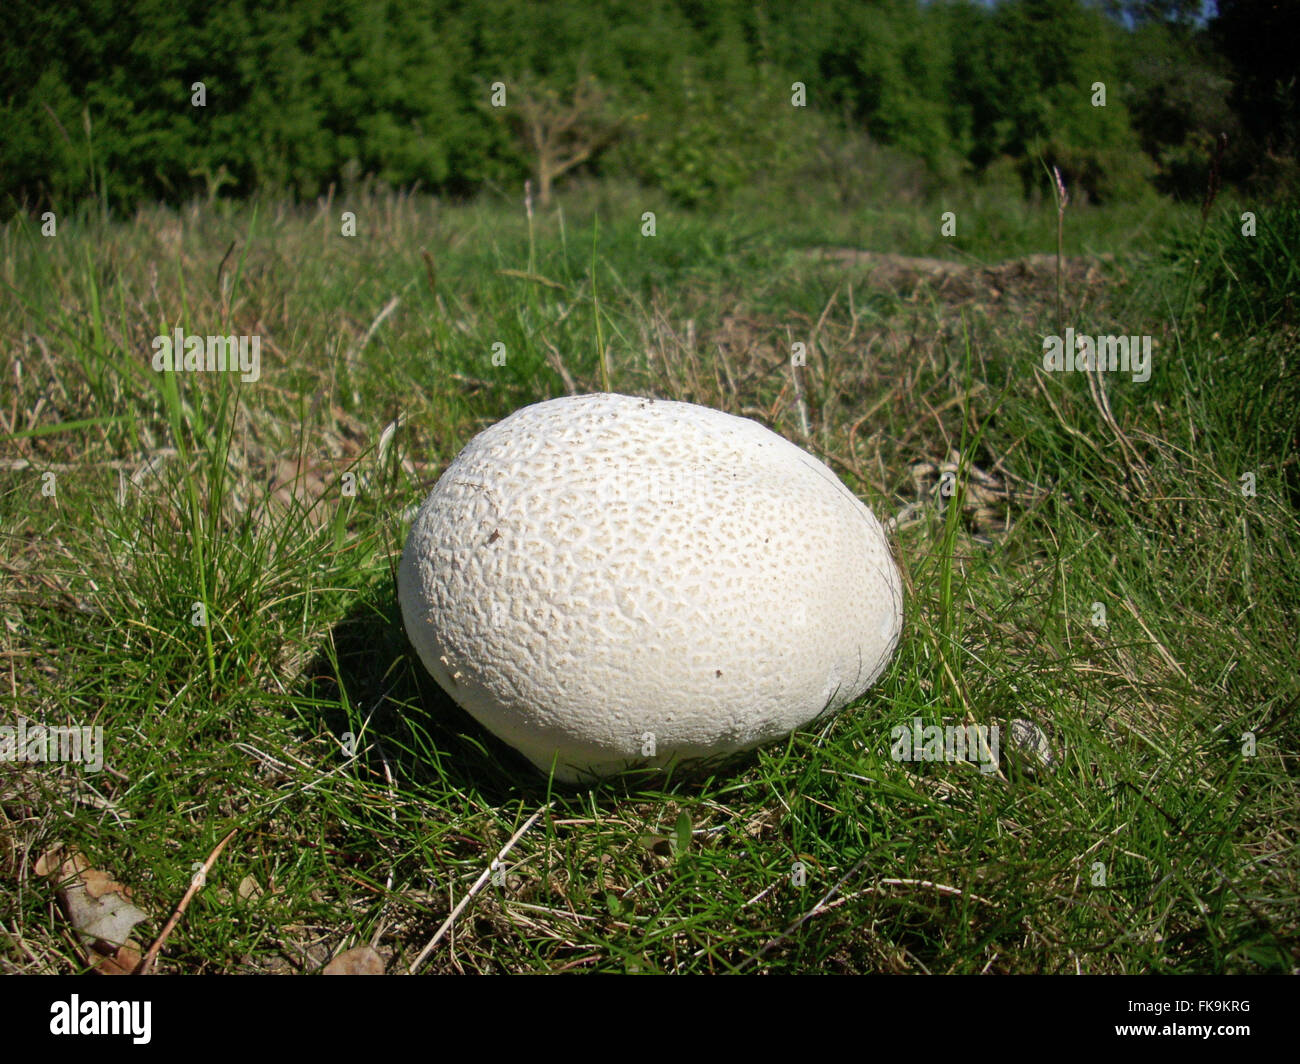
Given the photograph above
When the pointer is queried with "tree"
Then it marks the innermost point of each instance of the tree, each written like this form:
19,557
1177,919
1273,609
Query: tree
1180,13
1258,38
562,130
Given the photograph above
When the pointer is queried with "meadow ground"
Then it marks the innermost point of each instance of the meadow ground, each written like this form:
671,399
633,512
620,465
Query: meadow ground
1111,559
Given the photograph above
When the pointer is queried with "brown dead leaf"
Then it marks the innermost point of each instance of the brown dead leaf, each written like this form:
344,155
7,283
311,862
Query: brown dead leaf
986,502
360,960
8,848
120,961
98,907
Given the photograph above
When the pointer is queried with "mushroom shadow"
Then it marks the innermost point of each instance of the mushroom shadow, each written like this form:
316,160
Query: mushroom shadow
426,740
406,720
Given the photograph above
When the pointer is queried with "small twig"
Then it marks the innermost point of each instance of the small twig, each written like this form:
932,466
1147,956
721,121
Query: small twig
776,940
220,267
145,967
536,278
430,271
575,963
392,814
1160,647
556,361
389,307
478,885
1038,379
825,904
1097,388
17,465
942,888
761,894
1062,200
804,426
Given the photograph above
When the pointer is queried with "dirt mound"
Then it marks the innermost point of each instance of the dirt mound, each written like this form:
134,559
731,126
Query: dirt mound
1032,276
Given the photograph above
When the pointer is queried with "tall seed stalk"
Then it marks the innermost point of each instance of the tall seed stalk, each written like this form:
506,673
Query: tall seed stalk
1207,204
1062,201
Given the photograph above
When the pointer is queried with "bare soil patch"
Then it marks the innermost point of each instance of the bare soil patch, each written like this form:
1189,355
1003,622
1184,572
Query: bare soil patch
1028,278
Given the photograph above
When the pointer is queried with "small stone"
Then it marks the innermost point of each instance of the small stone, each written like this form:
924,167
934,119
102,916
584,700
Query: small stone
1031,746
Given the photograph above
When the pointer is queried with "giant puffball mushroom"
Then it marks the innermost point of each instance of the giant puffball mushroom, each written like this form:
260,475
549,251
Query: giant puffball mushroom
604,581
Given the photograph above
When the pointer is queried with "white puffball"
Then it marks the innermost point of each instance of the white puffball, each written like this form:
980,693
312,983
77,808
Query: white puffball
603,580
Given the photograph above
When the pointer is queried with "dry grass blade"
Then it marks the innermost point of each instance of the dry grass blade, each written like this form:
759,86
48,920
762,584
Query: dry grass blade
448,923
197,880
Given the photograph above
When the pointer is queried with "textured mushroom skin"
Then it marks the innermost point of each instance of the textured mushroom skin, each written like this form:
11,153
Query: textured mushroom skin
599,578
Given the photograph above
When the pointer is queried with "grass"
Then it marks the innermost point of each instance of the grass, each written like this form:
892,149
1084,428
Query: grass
1098,569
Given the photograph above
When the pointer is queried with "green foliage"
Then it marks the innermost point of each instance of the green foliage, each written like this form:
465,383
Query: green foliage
883,66
97,96
292,96
1251,281
1245,287
1029,71
1177,93
1257,39
935,867
1170,13
715,137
